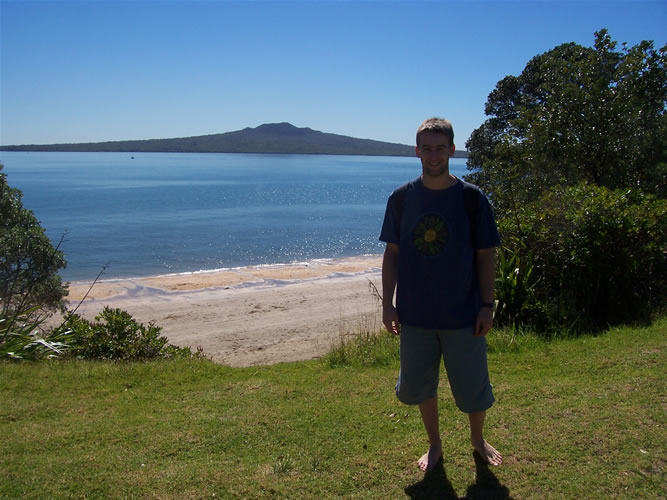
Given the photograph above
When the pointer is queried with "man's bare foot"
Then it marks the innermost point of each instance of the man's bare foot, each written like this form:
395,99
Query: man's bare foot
488,453
430,459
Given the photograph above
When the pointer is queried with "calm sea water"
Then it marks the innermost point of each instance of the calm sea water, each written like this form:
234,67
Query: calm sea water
158,213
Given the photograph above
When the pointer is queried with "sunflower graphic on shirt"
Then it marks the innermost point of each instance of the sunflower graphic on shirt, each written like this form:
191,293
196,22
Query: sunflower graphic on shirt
430,235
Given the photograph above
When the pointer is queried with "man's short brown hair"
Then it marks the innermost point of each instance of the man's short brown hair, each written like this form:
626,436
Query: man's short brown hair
437,125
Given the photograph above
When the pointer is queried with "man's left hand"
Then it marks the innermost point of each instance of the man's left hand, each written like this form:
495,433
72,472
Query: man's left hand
484,322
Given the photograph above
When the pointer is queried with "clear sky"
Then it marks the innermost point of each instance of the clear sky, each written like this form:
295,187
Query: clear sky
90,71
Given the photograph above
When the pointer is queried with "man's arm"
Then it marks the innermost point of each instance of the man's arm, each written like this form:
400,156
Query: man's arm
389,273
486,271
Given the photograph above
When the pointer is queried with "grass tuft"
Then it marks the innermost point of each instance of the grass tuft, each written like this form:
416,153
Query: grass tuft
514,340
365,348
283,465
366,343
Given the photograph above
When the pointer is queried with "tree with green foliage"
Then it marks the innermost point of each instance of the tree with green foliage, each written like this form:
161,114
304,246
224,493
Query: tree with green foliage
574,158
29,263
575,114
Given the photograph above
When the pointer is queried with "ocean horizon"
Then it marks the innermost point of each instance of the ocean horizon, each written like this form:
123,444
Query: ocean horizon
145,214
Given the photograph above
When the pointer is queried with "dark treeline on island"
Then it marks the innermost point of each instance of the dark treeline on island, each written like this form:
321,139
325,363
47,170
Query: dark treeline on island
271,138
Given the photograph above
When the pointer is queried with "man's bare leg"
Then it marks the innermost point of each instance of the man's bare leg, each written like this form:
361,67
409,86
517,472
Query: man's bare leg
488,453
429,412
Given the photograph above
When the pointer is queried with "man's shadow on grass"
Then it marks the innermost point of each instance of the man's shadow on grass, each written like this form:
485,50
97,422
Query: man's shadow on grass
436,485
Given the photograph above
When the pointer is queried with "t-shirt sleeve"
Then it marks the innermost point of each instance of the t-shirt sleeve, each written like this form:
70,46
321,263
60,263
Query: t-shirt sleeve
486,230
391,226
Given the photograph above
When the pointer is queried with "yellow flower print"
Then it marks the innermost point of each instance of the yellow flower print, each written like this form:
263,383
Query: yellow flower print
431,235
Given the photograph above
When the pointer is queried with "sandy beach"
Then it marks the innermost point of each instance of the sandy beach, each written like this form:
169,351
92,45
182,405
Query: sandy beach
251,315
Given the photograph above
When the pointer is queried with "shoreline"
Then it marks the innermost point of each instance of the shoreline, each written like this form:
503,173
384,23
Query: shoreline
228,277
251,315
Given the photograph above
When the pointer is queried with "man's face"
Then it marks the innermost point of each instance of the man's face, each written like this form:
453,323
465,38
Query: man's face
434,151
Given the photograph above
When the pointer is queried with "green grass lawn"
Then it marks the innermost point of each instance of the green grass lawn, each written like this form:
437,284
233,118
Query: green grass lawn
578,418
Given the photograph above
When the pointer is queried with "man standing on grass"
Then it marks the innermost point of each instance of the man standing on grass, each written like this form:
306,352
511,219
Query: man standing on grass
440,258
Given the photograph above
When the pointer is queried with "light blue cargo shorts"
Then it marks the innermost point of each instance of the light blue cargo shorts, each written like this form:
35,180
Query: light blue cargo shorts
465,363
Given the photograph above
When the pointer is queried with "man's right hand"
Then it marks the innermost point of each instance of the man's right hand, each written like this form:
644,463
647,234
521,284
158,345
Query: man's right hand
390,319
389,272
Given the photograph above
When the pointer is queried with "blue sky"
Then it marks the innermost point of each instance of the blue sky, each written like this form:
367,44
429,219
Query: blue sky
92,71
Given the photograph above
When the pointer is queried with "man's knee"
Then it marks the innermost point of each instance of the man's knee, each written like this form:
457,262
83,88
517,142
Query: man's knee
411,395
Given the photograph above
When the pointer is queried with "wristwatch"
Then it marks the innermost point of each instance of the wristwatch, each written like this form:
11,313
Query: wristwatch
490,305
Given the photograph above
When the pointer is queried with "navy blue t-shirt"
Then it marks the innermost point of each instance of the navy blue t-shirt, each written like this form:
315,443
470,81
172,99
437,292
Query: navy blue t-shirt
437,284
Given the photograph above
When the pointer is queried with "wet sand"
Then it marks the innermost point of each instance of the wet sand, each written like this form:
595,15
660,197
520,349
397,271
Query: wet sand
251,315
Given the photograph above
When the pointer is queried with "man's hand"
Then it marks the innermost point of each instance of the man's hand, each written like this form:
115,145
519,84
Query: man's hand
390,319
389,272
484,322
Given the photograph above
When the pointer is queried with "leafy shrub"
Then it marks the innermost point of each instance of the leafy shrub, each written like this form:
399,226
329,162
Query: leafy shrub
597,255
116,335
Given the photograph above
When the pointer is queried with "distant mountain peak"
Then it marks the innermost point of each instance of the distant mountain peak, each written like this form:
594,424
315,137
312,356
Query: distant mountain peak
282,128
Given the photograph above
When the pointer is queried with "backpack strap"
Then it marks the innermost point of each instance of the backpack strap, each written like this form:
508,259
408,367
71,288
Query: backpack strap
471,196
398,204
